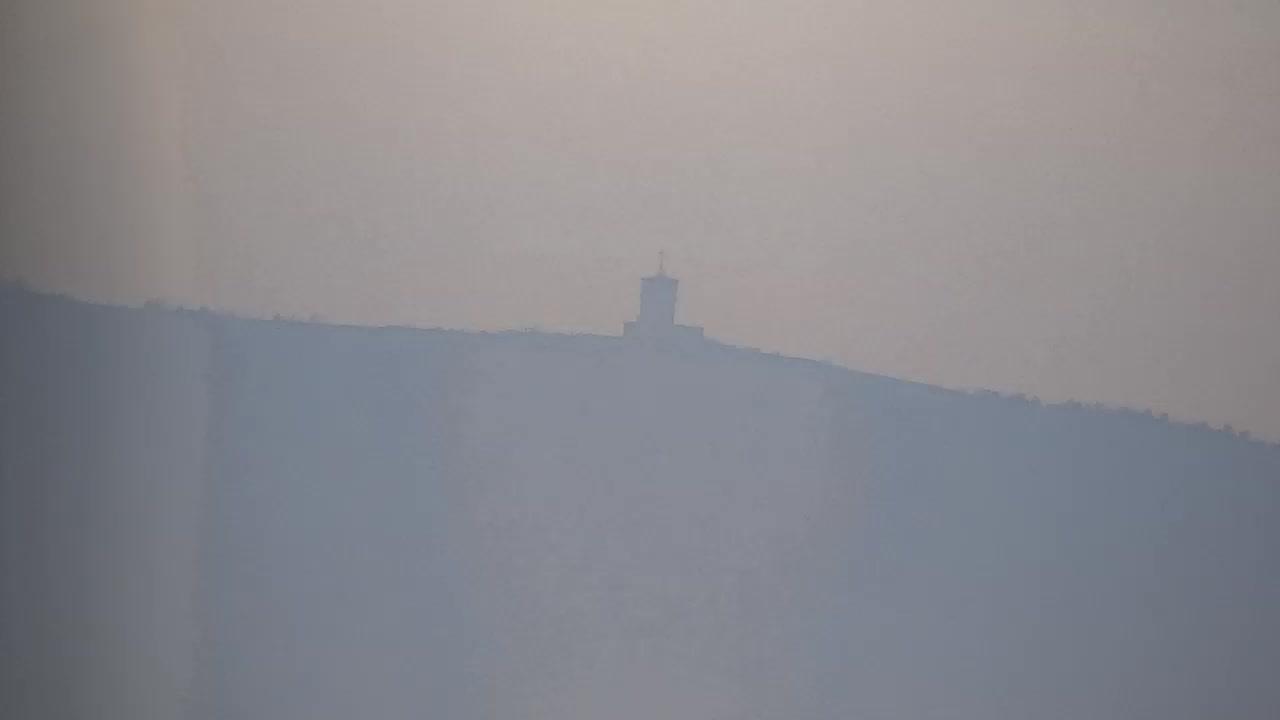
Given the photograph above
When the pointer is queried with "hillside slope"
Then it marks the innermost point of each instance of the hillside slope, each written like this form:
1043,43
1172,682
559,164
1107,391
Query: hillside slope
408,523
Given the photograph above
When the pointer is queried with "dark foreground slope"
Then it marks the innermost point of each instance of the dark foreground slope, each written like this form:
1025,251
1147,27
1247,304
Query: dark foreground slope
102,437
397,523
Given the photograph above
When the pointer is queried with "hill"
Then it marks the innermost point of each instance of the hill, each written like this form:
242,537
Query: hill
220,517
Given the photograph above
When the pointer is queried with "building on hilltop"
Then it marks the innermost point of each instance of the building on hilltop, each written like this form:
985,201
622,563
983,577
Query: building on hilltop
656,321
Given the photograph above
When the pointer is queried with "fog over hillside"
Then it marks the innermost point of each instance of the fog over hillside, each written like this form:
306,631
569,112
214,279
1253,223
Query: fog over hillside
224,518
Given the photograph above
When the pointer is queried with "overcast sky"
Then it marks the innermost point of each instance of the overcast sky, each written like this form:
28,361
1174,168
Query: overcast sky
1067,199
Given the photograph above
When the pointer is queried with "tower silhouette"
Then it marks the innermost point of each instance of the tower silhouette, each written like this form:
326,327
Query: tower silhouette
657,316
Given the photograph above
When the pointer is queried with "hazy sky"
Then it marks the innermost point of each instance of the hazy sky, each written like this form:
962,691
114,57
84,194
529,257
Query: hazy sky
1068,199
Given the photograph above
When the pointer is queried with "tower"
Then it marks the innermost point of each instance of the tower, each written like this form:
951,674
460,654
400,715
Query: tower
658,298
657,317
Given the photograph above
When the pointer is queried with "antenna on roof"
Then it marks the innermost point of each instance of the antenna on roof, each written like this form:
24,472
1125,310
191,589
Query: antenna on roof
662,262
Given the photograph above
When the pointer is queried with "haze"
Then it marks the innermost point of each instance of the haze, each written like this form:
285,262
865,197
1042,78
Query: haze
1072,200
